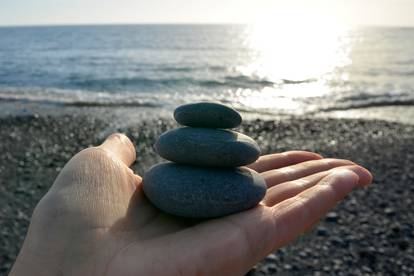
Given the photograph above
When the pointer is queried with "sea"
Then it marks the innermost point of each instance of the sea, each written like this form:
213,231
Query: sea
263,71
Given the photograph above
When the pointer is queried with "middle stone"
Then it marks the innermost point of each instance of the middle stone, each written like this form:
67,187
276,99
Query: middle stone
207,147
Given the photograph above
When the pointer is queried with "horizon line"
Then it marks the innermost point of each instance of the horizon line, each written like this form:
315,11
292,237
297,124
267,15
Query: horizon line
122,24
169,23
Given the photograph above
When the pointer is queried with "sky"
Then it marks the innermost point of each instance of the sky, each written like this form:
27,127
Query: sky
349,12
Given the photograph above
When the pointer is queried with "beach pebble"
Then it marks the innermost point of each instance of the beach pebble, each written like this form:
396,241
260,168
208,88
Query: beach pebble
207,147
207,114
200,192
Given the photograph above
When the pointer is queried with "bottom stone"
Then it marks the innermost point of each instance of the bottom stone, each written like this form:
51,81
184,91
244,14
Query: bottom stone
201,192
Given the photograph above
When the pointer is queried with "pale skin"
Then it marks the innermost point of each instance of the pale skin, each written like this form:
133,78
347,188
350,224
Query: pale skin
95,219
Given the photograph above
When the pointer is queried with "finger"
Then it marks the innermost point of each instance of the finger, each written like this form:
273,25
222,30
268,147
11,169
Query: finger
283,191
279,160
121,147
289,173
295,215
289,189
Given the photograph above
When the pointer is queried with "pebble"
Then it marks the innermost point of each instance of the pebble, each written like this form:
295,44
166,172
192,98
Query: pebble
207,114
332,217
389,211
322,232
199,192
207,147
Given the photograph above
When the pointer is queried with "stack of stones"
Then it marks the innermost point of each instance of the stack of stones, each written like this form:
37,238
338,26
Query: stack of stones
205,178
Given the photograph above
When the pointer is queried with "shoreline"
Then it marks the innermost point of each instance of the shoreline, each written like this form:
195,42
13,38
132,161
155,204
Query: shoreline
126,115
370,232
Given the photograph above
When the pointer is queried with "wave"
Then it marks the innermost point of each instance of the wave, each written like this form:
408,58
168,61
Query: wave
286,81
240,79
190,69
369,102
402,71
61,97
138,82
145,83
81,103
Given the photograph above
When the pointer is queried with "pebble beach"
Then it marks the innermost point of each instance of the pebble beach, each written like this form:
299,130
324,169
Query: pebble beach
370,233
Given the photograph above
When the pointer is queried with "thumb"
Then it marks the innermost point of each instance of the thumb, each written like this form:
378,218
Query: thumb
121,147
93,168
96,185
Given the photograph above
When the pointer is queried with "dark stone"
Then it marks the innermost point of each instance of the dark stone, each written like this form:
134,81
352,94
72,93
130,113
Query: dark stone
271,258
322,232
403,244
207,114
338,242
269,268
332,217
389,211
207,147
199,192
368,254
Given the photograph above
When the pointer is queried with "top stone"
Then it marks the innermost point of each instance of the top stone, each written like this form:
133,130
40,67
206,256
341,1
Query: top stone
207,114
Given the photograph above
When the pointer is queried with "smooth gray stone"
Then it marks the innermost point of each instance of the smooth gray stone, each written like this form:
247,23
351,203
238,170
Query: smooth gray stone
207,114
199,192
207,147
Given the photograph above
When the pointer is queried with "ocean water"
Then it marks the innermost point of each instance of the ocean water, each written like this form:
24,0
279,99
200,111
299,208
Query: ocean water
257,69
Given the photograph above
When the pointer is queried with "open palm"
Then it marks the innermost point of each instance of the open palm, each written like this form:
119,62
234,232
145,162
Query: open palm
95,220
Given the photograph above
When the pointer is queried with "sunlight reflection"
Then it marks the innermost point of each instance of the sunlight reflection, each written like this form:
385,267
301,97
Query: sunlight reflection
297,51
264,99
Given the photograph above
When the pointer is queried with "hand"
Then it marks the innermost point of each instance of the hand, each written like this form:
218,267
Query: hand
95,220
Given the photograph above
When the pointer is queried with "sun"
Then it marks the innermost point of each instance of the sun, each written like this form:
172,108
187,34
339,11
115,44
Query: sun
295,44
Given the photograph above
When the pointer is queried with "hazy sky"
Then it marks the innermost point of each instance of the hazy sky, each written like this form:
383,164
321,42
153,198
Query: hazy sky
359,12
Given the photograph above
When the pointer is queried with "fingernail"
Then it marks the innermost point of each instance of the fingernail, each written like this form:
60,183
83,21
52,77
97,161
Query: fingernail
365,177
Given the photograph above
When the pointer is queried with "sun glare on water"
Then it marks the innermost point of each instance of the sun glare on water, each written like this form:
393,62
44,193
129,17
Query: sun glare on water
295,49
